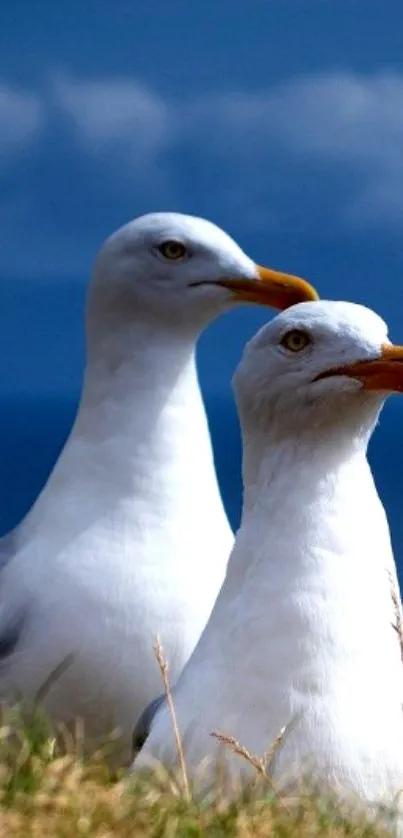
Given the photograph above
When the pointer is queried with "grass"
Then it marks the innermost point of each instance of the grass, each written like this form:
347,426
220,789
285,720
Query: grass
45,792
48,789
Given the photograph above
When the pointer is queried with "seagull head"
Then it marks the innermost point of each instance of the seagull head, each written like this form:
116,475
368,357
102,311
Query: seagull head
317,365
178,268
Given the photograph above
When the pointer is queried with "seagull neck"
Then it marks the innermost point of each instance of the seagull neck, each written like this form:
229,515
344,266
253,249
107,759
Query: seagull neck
141,367
141,407
304,498
300,465
139,456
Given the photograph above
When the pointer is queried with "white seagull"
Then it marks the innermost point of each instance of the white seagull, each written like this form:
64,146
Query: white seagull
129,538
303,633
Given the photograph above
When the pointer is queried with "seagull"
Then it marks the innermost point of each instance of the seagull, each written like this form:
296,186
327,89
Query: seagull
303,640
129,538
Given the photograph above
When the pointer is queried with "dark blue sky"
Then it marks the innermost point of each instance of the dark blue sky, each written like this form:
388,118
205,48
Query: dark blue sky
281,120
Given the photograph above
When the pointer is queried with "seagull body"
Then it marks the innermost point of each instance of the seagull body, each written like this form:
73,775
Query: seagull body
302,635
129,538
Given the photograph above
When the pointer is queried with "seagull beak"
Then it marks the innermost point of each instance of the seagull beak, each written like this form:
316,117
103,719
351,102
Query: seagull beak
384,374
271,288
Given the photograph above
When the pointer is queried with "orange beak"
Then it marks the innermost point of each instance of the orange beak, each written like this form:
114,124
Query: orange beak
271,288
384,374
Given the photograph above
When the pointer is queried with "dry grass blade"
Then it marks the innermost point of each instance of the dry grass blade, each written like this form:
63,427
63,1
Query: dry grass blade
260,764
162,663
397,607
270,755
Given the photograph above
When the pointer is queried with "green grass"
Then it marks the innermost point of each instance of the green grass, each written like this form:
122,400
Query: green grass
47,789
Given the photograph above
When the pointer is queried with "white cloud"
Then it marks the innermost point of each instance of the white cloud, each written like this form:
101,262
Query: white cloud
325,149
343,119
343,126
115,112
343,116
22,117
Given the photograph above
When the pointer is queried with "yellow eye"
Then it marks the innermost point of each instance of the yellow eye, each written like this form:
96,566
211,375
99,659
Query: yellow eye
295,340
173,250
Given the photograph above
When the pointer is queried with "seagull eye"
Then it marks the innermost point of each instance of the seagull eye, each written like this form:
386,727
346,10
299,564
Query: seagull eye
296,340
172,250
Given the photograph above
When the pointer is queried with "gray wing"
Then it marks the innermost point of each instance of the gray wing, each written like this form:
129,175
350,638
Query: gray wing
143,726
12,620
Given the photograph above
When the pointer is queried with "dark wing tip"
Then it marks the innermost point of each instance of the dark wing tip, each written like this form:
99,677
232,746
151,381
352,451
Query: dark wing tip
143,724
